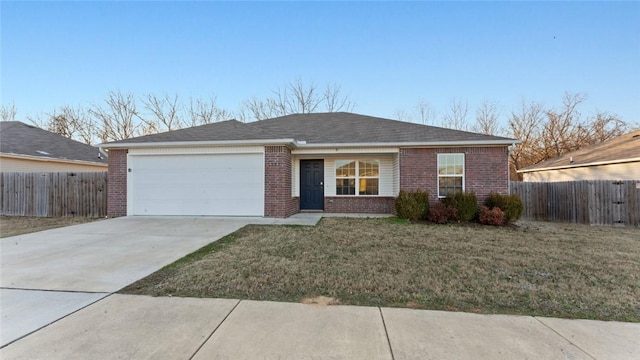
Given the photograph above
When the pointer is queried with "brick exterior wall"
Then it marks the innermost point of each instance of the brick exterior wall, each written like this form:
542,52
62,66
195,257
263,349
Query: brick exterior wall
117,183
278,201
360,204
486,170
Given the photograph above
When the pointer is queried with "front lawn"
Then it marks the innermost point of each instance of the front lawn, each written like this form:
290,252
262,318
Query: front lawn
548,269
18,225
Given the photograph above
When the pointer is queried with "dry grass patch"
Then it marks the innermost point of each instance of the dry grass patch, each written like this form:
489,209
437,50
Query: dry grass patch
546,269
18,225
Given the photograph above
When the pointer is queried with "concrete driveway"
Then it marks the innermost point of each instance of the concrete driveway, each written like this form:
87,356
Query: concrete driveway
47,275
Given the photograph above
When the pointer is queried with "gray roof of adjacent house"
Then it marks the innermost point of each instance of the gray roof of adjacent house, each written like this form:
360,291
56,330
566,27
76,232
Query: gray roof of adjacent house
320,128
624,148
17,138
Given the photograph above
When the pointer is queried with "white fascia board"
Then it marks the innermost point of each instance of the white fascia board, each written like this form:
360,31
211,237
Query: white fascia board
289,142
51,159
303,145
571,166
413,144
345,150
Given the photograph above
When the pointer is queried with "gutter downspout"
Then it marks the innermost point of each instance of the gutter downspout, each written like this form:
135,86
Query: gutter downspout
511,148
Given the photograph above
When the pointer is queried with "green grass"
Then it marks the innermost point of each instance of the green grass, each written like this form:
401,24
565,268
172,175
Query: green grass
547,269
19,225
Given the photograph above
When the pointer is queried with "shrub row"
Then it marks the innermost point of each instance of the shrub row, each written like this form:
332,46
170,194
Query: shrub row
412,205
461,207
511,205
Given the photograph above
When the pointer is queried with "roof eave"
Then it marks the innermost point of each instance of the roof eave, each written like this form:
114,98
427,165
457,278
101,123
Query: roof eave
302,144
52,159
413,144
572,166
135,145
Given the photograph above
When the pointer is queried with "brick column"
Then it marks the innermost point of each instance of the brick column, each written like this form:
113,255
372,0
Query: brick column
278,201
117,183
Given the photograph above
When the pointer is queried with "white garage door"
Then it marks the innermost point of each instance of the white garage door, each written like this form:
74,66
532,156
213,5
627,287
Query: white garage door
220,184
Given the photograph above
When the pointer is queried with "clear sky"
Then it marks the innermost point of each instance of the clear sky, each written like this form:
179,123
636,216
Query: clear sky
385,55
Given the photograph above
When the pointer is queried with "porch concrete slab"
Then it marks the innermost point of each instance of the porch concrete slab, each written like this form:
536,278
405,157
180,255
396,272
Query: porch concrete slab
270,330
424,334
303,219
127,327
25,311
601,339
90,258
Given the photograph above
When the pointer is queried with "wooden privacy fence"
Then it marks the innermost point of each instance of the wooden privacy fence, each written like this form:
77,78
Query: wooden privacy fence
594,202
53,194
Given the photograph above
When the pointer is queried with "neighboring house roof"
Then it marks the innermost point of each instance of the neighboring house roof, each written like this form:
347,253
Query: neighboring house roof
624,148
319,129
19,139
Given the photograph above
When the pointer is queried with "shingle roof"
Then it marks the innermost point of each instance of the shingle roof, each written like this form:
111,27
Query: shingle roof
318,128
219,131
18,138
623,147
345,127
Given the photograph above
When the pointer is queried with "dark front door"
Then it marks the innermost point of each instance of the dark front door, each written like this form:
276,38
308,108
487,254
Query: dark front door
311,184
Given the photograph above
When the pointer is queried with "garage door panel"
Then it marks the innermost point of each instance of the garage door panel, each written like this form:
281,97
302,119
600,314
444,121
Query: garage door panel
221,184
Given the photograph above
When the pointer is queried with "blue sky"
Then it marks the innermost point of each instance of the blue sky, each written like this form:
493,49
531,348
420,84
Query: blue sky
385,55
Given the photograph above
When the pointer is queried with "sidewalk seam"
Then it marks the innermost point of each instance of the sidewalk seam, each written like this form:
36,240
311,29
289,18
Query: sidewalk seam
214,330
562,336
384,324
55,321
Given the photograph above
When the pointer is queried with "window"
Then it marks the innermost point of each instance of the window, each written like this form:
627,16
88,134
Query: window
450,174
357,177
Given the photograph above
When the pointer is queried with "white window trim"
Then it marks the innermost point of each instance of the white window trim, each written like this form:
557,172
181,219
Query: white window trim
357,176
463,175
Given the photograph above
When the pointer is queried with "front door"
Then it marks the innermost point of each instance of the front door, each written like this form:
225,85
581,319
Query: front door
311,184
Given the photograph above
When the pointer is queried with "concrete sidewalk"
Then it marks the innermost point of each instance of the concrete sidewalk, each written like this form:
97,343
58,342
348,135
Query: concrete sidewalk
142,327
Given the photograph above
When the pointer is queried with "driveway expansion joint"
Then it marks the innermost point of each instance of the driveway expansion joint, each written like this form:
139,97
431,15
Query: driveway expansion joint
57,291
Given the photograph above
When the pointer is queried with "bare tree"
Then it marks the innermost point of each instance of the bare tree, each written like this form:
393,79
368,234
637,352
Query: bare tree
402,115
487,119
546,134
425,113
165,113
560,131
259,109
565,130
457,117
206,111
8,112
335,101
298,98
40,120
602,127
524,125
119,119
68,121
80,125
422,112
